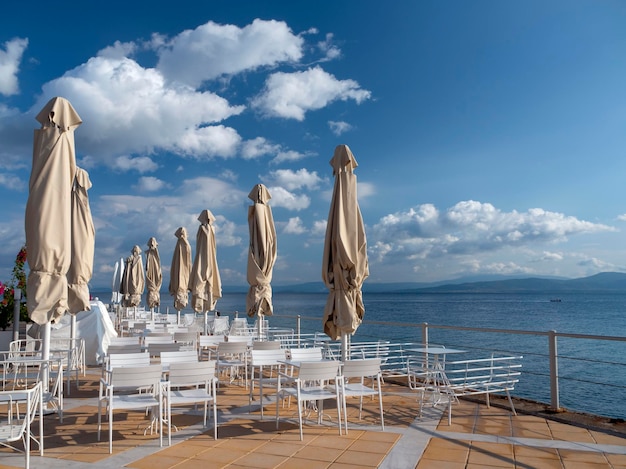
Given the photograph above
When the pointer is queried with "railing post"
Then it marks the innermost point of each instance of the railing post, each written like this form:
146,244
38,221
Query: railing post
298,330
425,334
554,371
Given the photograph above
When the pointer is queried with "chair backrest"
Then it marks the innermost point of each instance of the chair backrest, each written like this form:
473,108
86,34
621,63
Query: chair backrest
220,325
266,344
124,348
361,368
238,338
231,347
191,374
155,350
210,340
164,338
179,356
318,371
124,360
124,340
136,376
267,357
305,354
15,427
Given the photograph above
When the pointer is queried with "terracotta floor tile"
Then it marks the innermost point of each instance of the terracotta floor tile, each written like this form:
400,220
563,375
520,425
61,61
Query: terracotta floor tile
279,448
298,463
332,441
319,454
582,456
503,449
532,452
218,454
260,460
539,463
434,464
361,459
156,462
449,455
380,436
582,437
381,447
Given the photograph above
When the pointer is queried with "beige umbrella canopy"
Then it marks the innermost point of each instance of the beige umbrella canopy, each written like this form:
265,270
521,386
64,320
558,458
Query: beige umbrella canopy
344,266
180,270
125,281
83,244
136,278
205,284
154,276
261,253
48,220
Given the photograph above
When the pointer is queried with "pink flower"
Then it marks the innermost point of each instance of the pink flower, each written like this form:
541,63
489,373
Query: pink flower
1,288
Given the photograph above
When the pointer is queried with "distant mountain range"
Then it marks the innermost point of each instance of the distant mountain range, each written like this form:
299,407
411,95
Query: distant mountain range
603,282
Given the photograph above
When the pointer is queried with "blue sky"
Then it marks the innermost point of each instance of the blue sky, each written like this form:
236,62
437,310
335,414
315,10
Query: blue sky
490,136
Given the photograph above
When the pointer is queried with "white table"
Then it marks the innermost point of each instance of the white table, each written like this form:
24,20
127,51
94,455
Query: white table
437,375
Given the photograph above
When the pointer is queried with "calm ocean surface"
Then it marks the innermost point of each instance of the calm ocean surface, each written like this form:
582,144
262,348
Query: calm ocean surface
592,373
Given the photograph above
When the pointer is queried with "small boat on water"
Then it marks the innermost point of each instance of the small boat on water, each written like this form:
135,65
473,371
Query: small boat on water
555,300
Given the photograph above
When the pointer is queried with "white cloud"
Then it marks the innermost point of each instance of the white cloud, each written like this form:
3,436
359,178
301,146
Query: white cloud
294,226
471,228
150,184
283,198
258,147
212,50
141,164
12,181
130,109
293,180
10,58
289,155
621,217
328,48
319,227
291,95
365,189
339,127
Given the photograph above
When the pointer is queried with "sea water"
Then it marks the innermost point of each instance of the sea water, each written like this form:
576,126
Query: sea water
592,373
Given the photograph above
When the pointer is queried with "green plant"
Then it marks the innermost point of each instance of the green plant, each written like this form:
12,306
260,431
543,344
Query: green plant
18,280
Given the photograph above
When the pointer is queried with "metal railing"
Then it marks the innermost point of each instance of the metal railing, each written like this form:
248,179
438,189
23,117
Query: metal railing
581,371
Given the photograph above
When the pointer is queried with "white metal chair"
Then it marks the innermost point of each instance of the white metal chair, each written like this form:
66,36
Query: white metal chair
305,354
361,369
311,384
207,345
17,426
233,356
266,345
155,349
177,356
191,383
146,380
265,359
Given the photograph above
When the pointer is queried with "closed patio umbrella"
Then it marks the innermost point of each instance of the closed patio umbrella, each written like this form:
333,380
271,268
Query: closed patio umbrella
136,278
124,282
206,285
344,265
48,220
180,270
261,255
83,244
118,273
154,276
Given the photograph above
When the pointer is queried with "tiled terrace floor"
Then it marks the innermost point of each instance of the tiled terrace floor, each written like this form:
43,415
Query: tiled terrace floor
479,437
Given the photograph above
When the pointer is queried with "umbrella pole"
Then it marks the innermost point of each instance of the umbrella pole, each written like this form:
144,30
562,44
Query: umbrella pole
260,326
206,323
344,346
73,327
45,355
178,317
